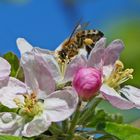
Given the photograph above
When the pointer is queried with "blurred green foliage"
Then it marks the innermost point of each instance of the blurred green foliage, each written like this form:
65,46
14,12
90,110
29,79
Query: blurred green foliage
128,115
129,32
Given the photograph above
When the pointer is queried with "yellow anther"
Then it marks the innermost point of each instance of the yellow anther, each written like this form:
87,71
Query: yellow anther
31,106
118,75
18,102
119,65
128,73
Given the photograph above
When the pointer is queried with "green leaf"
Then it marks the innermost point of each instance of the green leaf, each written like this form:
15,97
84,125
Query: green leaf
6,109
14,62
134,137
100,117
123,131
16,70
30,139
6,137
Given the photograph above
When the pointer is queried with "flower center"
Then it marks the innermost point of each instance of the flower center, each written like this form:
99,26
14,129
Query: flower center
119,75
31,106
63,65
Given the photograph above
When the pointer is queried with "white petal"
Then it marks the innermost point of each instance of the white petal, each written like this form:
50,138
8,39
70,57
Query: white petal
83,52
132,94
37,75
77,63
4,81
107,70
28,65
4,68
112,52
114,98
97,53
37,126
13,90
61,104
50,62
4,72
15,83
23,45
10,124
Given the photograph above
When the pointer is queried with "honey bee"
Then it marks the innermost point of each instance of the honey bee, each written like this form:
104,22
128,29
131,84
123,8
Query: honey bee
79,40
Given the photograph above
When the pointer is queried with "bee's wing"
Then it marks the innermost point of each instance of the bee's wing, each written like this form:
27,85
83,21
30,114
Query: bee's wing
76,29
81,27
23,45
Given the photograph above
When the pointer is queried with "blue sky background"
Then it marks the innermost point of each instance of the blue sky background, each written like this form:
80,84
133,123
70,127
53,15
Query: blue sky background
47,23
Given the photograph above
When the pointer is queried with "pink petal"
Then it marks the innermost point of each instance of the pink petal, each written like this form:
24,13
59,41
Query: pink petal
132,94
97,53
73,67
61,104
114,98
112,52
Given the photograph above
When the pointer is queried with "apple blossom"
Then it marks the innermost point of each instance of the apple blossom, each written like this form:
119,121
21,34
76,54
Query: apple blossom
114,75
36,102
95,61
126,97
102,58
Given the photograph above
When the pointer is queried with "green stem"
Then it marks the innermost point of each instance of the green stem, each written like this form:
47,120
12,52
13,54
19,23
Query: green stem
55,129
74,122
89,111
65,125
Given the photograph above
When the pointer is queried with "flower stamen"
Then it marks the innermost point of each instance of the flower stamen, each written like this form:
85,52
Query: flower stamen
119,75
30,107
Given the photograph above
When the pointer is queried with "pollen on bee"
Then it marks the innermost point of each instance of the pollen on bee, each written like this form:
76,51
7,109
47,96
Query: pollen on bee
88,41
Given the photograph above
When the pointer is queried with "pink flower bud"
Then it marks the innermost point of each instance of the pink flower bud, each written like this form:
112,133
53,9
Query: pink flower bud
87,82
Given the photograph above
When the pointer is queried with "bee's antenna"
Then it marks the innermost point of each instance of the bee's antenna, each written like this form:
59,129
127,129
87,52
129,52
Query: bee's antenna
75,28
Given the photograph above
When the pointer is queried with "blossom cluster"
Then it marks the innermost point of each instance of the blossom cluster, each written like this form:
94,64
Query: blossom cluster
52,90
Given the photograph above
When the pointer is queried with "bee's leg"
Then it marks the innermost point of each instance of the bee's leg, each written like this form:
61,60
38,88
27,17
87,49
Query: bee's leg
89,48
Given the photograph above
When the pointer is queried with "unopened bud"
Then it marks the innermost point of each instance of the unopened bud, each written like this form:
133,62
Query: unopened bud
87,82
